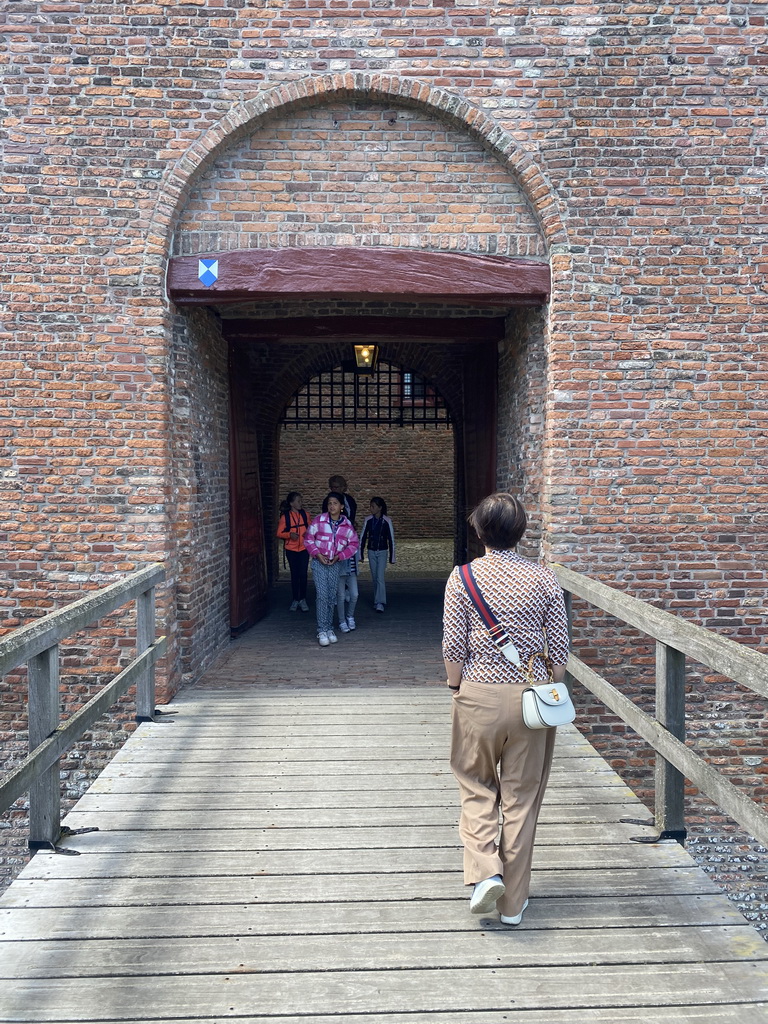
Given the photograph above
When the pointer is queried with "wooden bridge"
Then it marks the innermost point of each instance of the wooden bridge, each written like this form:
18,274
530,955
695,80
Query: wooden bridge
276,853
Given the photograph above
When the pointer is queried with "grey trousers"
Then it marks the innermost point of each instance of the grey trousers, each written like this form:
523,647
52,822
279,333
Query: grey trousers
346,599
498,763
377,560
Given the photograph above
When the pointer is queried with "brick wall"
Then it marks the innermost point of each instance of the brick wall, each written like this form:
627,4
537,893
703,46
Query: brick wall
411,468
199,438
358,174
632,159
522,395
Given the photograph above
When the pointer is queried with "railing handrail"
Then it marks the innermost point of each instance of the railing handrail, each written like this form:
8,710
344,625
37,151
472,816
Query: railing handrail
27,641
720,653
674,639
37,644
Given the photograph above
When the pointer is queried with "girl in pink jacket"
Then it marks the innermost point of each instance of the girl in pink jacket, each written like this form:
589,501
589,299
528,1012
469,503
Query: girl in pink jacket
330,538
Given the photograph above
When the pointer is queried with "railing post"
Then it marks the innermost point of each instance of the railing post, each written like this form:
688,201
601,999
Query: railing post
670,712
43,711
145,637
568,599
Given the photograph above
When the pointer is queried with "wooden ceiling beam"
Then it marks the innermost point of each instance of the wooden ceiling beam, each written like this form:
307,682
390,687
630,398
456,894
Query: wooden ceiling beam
359,273
372,329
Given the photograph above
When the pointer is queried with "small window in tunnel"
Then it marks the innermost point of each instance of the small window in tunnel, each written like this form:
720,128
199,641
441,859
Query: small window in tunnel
416,390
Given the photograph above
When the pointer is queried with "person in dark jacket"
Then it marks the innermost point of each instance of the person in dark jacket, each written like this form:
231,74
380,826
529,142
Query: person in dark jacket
338,484
379,537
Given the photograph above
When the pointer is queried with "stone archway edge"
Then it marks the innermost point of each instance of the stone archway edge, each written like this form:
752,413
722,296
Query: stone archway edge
356,272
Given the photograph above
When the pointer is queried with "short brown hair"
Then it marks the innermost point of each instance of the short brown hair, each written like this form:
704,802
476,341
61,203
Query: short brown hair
499,520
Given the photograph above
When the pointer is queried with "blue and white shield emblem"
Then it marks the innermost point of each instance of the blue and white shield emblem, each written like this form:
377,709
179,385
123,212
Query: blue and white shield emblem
208,271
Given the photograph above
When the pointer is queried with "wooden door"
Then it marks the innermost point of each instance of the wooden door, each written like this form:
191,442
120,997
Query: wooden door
248,562
479,433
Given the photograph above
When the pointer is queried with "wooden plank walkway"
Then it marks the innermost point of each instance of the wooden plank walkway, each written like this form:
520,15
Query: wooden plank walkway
292,855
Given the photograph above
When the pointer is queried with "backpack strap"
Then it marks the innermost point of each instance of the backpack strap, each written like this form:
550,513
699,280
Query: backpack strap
495,629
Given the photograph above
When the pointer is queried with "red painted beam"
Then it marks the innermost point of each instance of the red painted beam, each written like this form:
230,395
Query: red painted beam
355,272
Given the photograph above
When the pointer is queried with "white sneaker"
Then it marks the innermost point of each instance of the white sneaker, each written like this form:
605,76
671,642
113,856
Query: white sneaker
303,605
379,607
332,638
343,626
350,622
322,639
485,894
516,919
294,606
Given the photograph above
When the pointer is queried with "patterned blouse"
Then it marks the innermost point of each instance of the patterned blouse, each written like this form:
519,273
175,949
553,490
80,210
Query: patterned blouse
526,599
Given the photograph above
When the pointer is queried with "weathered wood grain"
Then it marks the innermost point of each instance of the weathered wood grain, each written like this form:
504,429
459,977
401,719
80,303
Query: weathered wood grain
87,958
313,861
426,917
334,817
365,991
359,272
256,798
322,883
720,1014
378,837
255,888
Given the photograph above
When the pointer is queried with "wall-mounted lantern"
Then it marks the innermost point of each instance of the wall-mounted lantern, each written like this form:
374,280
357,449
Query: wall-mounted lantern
365,358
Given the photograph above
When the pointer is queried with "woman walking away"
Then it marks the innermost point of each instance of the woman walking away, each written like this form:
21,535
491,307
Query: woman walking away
379,536
329,540
496,759
293,526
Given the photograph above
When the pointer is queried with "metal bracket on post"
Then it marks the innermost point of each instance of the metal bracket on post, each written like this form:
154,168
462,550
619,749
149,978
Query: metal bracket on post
665,836
66,832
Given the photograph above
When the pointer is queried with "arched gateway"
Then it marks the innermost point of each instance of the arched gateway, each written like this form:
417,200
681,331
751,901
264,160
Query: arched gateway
321,214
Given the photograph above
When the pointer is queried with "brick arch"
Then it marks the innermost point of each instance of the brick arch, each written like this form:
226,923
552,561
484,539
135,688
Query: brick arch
246,117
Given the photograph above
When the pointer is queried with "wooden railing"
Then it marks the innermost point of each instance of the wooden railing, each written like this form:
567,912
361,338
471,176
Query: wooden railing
675,638
37,646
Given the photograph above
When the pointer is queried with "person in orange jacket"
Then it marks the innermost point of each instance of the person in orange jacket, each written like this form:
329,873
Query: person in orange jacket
293,525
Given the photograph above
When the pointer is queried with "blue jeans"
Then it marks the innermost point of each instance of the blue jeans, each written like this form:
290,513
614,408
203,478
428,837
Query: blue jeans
346,598
377,560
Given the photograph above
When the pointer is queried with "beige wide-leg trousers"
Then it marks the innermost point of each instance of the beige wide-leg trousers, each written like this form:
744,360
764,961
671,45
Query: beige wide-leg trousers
498,763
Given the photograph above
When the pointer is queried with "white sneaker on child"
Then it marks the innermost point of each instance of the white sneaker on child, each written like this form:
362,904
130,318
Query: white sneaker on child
343,626
322,639
303,605
350,622
294,606
332,638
